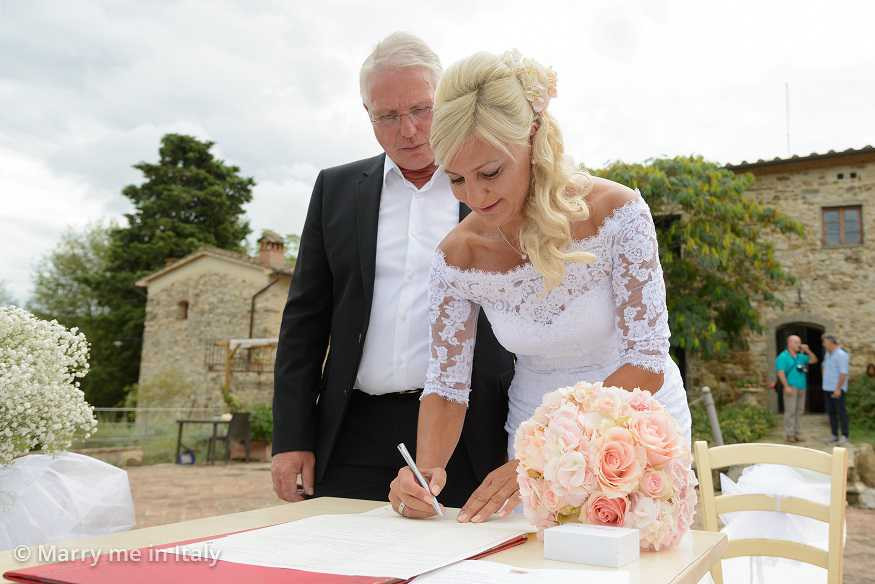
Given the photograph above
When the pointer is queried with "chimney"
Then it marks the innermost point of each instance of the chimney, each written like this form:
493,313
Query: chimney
271,250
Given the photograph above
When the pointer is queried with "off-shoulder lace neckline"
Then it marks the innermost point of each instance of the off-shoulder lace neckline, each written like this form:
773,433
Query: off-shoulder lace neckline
524,267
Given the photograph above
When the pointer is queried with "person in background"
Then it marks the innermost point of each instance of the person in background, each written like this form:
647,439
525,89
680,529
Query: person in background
870,370
792,369
835,383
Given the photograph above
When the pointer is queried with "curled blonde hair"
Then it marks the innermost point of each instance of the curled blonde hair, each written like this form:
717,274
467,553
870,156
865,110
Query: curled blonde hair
495,98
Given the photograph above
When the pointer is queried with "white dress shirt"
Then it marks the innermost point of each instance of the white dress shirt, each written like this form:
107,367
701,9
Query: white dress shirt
411,224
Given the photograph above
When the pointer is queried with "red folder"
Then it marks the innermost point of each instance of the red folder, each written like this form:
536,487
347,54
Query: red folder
167,568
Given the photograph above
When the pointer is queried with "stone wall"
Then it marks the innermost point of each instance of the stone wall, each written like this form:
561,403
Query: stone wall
836,285
174,369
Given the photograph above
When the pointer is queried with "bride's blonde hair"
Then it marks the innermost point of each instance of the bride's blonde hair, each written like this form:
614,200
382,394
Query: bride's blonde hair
500,98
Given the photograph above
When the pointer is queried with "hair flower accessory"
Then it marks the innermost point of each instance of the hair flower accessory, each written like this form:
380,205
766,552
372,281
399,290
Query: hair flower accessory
538,82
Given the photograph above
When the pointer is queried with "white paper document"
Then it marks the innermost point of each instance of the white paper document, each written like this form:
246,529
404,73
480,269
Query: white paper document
485,572
514,521
377,544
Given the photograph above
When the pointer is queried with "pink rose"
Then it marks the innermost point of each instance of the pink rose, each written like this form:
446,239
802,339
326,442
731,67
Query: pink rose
608,403
620,462
571,474
601,510
656,484
657,433
640,400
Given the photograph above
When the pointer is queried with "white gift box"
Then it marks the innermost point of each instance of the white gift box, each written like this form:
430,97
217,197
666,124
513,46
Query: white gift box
597,545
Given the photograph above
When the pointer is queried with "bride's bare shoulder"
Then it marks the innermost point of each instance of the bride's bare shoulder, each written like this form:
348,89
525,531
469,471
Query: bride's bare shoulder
459,244
605,197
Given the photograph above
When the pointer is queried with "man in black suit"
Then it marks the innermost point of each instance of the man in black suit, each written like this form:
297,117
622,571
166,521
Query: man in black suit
360,292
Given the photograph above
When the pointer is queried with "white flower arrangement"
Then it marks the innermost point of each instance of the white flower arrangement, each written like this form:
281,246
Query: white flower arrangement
41,405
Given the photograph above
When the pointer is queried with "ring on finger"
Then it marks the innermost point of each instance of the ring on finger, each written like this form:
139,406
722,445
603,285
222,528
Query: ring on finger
401,508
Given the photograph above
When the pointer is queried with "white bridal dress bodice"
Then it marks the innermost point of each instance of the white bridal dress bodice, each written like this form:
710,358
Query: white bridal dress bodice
602,316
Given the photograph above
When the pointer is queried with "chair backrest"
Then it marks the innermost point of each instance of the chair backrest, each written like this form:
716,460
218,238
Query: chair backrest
238,429
835,465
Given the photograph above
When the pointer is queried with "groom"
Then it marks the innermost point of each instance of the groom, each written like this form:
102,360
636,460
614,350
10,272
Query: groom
360,294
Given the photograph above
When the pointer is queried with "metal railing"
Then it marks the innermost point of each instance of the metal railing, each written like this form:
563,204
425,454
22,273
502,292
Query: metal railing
129,426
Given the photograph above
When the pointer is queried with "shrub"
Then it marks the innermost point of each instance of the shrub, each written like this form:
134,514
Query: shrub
261,422
861,402
738,423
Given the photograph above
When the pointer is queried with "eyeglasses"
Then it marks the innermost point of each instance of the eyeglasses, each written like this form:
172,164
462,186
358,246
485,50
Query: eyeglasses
417,114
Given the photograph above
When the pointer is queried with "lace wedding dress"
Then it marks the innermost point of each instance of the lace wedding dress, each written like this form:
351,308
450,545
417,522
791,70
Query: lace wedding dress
602,316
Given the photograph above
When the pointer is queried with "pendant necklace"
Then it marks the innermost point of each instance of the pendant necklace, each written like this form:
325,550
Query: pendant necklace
519,251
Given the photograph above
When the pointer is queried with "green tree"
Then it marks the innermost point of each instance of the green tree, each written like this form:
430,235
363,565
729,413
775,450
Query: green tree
188,199
718,260
64,279
65,289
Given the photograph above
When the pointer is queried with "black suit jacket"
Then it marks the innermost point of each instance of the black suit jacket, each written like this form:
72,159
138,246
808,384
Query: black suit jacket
329,307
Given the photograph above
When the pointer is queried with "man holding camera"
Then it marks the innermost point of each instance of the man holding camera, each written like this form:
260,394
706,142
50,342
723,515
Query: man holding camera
792,369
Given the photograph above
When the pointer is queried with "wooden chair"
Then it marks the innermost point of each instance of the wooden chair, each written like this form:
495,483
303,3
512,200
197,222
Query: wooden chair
835,465
239,430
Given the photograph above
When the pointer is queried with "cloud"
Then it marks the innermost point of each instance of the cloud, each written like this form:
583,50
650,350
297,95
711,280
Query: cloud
281,204
88,89
36,207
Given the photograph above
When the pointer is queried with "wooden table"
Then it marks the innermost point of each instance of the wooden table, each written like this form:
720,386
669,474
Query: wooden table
685,564
216,422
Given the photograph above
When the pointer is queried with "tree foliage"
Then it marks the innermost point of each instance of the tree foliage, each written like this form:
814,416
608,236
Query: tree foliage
715,247
64,279
65,289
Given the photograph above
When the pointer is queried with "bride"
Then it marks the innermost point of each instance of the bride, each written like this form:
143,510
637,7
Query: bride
565,265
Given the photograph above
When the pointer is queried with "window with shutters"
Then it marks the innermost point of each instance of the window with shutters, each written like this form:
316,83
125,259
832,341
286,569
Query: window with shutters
842,226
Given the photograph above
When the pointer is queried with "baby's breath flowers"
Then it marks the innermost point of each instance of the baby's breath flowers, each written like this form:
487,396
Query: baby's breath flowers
41,405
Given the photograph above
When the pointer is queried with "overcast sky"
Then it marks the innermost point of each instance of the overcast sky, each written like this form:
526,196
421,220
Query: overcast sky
88,88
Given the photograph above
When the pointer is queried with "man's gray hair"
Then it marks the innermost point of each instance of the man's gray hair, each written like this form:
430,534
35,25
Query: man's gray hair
399,50
831,338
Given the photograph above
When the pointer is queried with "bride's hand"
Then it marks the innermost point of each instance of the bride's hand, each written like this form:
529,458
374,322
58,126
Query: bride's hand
407,490
499,491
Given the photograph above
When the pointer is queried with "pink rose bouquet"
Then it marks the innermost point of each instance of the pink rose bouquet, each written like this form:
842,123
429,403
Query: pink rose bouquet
606,456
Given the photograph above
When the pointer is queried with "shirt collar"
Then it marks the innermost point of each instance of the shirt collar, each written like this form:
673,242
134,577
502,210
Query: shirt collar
389,167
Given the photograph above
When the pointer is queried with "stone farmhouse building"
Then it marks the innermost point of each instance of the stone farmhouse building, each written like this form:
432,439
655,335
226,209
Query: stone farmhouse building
833,196
208,296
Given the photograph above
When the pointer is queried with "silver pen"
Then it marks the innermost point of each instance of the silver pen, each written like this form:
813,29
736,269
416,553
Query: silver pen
409,460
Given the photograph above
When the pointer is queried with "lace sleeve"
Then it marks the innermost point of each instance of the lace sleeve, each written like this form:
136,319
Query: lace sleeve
453,320
639,289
